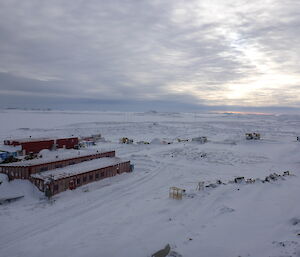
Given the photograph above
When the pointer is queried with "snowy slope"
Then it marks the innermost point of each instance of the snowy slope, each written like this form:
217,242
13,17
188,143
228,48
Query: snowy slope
132,214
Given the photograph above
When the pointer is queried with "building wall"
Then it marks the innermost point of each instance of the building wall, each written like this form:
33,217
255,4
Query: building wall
23,172
37,146
39,183
67,143
63,184
15,172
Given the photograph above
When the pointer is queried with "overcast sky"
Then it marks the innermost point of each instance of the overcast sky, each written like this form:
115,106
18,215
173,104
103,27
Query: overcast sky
184,53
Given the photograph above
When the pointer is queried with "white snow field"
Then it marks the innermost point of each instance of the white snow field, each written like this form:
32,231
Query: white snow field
131,215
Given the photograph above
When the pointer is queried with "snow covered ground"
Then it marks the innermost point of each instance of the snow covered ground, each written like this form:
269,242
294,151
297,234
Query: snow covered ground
132,214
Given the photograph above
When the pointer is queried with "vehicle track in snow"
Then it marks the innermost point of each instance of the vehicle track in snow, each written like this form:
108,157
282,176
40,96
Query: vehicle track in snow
70,211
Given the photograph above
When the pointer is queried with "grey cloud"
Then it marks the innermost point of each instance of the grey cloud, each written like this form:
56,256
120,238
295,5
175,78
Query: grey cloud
11,83
136,49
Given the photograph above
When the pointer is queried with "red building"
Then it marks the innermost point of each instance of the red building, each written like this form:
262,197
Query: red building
36,146
67,143
55,174
23,169
32,145
58,180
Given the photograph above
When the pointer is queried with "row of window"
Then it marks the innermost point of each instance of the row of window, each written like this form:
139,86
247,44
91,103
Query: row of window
84,178
7,169
16,174
91,177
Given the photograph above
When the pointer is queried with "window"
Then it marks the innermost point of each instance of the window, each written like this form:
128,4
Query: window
78,181
97,175
102,174
43,169
55,188
84,179
91,177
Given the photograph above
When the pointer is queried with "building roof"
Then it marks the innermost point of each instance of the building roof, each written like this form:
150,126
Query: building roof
26,140
54,156
79,168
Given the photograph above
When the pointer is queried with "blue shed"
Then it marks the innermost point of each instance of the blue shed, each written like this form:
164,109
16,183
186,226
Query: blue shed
8,151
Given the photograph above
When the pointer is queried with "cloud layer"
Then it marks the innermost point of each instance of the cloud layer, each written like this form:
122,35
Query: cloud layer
208,52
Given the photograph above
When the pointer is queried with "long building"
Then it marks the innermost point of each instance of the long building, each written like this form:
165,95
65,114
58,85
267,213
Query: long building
58,180
35,145
23,169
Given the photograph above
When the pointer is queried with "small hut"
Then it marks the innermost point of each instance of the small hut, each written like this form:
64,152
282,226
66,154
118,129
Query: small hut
201,140
250,136
176,193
